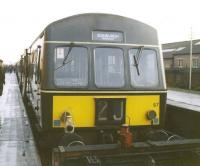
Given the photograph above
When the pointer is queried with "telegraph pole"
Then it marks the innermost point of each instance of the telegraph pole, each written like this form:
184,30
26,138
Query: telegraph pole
190,72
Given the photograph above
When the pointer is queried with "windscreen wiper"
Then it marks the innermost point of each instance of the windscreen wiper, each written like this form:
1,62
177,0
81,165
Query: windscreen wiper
66,57
136,59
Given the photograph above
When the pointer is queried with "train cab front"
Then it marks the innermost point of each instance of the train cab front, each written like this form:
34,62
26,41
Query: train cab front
96,84
100,89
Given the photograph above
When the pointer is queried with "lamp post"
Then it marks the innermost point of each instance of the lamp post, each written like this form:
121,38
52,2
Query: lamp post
190,72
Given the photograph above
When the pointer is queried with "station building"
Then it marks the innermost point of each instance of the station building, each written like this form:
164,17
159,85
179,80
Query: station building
177,63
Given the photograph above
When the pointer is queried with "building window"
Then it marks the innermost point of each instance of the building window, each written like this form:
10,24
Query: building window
195,63
180,63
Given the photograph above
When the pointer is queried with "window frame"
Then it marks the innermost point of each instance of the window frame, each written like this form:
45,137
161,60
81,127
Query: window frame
88,68
124,68
180,62
158,68
197,63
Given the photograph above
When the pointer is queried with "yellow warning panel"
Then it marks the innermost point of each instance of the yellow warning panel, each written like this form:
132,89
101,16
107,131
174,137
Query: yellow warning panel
82,109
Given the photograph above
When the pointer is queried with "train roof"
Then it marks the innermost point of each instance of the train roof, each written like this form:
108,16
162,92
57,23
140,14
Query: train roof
80,28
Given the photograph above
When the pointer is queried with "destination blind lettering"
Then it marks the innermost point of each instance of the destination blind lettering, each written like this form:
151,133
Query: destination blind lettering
107,36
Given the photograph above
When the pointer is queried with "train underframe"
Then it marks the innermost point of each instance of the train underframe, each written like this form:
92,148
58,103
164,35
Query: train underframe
105,147
158,147
152,153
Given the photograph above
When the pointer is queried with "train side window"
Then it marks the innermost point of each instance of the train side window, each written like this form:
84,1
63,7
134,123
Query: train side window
36,68
34,64
109,67
31,66
143,68
71,66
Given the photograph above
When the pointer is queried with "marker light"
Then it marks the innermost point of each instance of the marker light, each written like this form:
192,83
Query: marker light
151,115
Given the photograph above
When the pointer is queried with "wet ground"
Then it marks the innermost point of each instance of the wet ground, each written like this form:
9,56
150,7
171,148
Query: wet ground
17,146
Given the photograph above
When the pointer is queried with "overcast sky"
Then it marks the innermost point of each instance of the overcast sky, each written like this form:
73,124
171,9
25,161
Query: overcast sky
21,21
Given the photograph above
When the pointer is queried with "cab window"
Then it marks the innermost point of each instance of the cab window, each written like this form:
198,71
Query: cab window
71,67
109,67
143,68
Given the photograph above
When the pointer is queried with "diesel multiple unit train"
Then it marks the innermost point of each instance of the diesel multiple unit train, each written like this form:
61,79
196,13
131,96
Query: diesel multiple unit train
95,79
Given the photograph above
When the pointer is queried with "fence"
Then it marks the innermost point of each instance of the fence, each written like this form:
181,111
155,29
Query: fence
180,78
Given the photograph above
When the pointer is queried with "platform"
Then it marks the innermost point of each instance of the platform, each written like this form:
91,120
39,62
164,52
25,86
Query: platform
17,146
184,99
183,113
